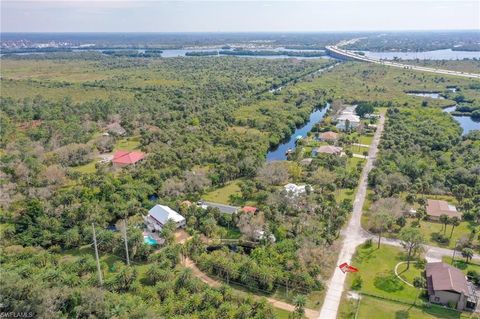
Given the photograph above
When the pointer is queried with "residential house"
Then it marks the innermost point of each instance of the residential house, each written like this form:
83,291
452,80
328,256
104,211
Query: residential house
448,285
328,136
226,209
158,216
347,121
294,189
125,158
116,129
306,161
436,208
249,209
327,149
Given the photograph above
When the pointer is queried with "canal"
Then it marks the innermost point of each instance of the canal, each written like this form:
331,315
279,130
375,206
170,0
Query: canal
279,152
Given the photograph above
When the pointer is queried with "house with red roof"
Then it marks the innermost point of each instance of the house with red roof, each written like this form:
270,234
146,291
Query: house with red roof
125,158
249,209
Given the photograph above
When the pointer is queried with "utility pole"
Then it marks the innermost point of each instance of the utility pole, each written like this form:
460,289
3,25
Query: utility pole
96,255
125,239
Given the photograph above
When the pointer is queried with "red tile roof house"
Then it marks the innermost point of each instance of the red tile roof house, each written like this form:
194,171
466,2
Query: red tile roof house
249,209
436,208
125,158
448,285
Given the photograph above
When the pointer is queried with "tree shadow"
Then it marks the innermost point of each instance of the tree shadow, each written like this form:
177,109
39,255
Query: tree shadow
388,282
402,314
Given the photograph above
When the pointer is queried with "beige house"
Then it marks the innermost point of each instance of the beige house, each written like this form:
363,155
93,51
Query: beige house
436,208
449,286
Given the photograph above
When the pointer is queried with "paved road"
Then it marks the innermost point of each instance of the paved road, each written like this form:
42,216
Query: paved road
335,49
353,234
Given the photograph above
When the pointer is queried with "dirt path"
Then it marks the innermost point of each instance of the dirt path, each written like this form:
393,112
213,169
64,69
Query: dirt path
353,234
309,313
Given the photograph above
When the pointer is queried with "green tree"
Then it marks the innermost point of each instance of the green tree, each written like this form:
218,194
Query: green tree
454,221
411,240
467,253
299,302
444,219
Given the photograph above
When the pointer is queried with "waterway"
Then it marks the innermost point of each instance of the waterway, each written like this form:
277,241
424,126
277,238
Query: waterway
467,123
278,153
430,95
447,54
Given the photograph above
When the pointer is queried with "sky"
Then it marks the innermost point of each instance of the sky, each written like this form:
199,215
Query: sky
235,16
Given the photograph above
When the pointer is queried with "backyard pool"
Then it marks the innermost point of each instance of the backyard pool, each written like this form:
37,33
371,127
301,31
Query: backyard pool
149,240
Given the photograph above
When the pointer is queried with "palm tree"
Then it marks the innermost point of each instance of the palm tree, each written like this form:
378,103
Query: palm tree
454,221
467,253
300,301
444,220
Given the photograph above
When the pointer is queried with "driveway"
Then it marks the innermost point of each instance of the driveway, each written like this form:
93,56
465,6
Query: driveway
353,234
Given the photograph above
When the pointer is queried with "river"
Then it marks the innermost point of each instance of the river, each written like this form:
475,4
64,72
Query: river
447,54
278,153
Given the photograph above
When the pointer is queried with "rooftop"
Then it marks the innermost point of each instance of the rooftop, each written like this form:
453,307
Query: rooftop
163,213
328,149
441,276
440,207
127,157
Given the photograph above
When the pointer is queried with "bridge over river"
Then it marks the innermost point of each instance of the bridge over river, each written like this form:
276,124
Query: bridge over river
336,52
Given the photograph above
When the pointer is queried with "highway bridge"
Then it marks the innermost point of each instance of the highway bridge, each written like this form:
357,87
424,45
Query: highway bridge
336,52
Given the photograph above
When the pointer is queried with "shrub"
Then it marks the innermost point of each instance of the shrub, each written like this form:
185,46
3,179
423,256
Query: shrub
357,282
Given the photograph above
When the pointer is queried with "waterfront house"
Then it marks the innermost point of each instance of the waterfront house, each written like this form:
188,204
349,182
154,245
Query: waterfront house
449,286
125,158
347,121
328,136
158,216
436,208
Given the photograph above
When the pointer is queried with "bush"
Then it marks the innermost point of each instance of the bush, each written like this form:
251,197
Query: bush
440,238
368,243
357,283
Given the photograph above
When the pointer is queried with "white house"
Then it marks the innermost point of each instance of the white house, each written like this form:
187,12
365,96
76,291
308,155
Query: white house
294,189
158,216
348,121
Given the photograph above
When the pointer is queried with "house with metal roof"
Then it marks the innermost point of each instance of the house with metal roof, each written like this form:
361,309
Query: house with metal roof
159,215
448,285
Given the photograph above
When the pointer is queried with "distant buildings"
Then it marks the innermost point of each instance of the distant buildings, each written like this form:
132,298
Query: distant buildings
448,285
327,149
159,215
436,208
125,158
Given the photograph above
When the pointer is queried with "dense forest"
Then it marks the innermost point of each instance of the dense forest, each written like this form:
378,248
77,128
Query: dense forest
422,151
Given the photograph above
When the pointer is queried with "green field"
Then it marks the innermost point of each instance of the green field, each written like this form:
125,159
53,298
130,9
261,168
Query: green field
222,195
374,308
377,272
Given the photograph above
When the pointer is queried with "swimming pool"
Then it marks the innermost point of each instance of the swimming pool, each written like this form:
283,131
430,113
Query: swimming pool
149,240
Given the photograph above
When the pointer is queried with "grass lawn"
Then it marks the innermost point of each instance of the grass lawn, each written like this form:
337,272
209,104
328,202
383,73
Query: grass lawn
232,233
365,139
428,228
352,163
377,272
373,308
86,169
461,264
127,144
345,193
281,314
222,195
410,274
